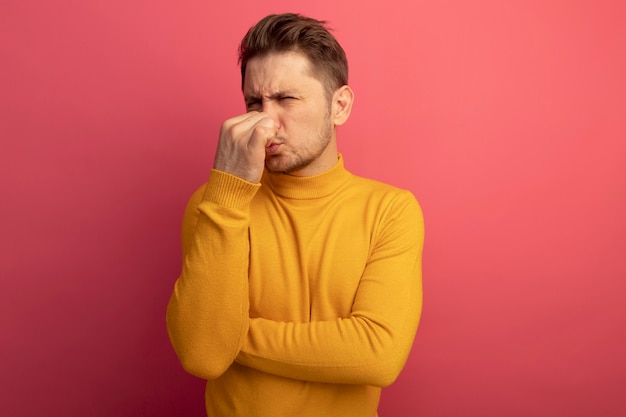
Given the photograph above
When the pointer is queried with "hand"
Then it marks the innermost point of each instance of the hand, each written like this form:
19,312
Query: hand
241,147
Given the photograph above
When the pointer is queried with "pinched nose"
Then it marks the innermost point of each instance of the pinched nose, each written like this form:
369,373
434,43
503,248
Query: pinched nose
270,108
268,122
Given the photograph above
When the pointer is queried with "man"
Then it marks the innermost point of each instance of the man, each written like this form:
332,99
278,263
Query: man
300,291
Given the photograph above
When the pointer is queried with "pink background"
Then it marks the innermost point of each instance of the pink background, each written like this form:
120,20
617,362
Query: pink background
507,119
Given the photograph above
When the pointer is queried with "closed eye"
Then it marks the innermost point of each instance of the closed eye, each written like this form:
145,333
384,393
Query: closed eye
287,99
253,105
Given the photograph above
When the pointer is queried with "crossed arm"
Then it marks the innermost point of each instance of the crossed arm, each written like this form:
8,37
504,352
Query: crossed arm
208,319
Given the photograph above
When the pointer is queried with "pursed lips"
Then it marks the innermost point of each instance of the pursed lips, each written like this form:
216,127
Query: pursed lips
272,148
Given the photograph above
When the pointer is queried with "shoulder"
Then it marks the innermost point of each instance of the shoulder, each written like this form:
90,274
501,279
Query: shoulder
385,205
373,190
395,216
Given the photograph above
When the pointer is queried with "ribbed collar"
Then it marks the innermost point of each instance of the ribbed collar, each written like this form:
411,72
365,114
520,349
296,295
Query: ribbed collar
306,188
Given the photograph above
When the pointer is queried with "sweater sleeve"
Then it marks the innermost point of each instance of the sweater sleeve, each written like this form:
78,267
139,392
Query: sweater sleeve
207,315
371,345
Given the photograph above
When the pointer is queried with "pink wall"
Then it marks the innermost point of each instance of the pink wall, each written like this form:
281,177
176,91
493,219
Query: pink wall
507,119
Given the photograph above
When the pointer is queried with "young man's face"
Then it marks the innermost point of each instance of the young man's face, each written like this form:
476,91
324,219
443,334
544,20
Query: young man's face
281,85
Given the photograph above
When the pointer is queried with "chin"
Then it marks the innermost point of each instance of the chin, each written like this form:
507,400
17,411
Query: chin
277,164
282,164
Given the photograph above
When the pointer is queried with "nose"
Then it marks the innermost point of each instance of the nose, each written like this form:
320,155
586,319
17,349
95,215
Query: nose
271,108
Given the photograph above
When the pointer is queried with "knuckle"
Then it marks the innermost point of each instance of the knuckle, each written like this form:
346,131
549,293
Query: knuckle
259,130
233,131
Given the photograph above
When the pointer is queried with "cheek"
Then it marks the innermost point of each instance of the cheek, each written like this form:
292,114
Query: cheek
295,120
304,121
312,118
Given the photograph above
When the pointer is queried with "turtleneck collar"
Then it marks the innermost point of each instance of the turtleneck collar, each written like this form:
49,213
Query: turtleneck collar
304,188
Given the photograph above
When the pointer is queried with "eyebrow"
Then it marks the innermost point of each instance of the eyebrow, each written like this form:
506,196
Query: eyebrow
250,98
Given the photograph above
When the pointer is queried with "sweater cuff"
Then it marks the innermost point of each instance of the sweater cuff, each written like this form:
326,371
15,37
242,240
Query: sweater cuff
228,190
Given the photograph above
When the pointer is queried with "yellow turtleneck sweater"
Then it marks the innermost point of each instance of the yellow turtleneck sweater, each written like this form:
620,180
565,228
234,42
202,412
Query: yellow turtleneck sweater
298,297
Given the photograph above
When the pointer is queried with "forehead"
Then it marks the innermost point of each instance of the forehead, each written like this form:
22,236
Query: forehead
278,71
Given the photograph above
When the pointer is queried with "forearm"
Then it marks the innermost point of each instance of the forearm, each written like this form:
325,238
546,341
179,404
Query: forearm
207,316
371,344
355,350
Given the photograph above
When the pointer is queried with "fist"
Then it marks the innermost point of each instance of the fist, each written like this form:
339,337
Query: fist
241,146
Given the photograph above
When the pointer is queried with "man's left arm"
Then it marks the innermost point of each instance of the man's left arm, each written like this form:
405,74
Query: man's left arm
371,345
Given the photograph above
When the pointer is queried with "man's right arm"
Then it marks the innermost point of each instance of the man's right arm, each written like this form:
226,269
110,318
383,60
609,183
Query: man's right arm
207,316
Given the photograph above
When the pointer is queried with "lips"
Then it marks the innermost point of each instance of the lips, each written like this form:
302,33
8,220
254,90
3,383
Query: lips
272,148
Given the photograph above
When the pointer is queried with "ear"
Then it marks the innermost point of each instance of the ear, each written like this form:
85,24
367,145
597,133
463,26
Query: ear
342,104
